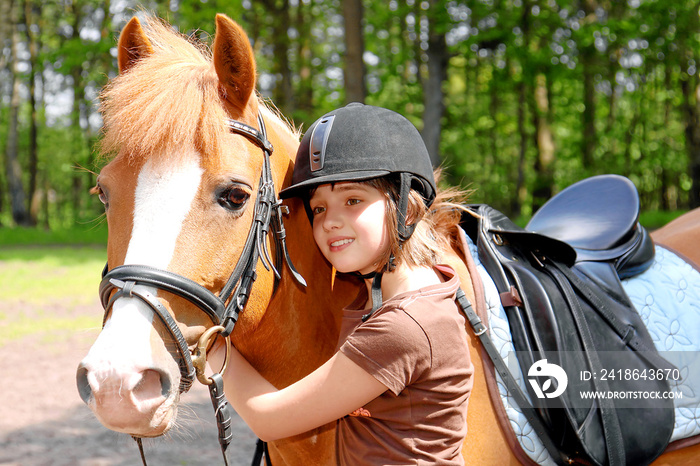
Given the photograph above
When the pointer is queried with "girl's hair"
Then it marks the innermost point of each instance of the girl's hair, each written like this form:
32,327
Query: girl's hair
434,225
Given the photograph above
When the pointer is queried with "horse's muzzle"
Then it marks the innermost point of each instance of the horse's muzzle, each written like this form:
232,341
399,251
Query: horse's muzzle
134,401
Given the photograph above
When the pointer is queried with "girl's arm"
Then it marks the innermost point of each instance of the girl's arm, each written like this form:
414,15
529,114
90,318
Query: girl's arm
332,391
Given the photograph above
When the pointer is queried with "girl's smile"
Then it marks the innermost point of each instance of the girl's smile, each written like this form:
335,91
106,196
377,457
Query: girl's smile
349,225
338,245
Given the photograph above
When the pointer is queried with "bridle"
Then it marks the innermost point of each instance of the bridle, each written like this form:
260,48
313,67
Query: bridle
137,281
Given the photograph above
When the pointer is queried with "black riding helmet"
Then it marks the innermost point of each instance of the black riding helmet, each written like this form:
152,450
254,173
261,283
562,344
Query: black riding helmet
360,142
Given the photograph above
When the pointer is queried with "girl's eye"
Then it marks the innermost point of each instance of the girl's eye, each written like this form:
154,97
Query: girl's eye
317,210
353,201
234,198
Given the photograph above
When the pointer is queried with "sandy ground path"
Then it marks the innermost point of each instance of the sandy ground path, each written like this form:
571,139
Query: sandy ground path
43,421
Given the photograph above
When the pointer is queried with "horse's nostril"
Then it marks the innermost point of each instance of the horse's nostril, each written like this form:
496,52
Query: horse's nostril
165,385
83,385
153,384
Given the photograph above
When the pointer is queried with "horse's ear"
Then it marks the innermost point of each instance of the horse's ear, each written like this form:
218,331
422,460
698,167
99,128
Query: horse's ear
133,45
234,61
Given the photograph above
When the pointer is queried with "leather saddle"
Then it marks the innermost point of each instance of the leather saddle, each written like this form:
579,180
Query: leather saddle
598,217
559,280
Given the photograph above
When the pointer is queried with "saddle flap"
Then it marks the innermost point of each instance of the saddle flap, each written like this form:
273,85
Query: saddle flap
534,244
501,230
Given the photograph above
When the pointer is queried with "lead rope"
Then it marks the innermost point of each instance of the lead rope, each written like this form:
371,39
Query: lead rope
140,445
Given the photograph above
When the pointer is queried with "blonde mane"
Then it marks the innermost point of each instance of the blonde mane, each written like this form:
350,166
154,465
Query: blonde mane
168,100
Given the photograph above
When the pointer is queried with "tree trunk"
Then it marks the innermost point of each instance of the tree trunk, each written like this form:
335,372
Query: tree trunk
520,195
433,95
354,76
18,198
284,94
492,157
588,143
588,56
35,72
544,164
5,27
77,114
304,56
668,198
629,138
5,7
691,103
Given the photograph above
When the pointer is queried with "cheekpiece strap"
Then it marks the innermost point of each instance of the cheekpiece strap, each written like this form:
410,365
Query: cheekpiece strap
259,138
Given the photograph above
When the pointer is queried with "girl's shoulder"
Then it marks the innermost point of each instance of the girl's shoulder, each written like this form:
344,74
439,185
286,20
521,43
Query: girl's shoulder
440,285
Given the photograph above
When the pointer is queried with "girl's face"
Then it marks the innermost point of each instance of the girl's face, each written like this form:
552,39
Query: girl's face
349,225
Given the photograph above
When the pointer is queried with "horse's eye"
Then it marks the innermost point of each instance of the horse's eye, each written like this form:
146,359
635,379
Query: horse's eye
234,198
101,194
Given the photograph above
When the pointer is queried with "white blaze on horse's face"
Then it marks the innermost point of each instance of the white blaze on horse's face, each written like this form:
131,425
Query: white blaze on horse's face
128,357
162,202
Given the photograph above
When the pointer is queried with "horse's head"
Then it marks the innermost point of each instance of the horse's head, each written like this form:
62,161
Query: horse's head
180,195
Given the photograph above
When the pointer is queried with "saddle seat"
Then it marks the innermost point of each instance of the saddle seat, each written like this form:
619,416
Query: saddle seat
598,217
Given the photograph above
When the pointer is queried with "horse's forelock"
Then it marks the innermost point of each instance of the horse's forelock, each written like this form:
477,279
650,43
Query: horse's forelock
166,101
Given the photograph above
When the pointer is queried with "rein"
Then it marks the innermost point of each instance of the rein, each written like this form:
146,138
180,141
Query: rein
138,281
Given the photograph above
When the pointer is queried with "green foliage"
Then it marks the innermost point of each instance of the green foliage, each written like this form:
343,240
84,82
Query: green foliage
651,220
633,64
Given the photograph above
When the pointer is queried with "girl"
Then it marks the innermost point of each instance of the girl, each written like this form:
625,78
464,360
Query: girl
399,382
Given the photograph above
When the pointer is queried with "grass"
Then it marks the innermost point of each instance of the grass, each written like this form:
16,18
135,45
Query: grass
93,234
656,219
49,328
49,290
40,275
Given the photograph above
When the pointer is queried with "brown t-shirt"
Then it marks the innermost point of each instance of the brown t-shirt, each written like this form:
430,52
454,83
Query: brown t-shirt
416,345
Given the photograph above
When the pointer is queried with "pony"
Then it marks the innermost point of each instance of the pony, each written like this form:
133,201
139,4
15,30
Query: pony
180,196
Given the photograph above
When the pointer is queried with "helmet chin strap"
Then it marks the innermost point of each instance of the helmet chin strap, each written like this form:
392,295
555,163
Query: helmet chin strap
376,289
376,295
404,229
367,276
